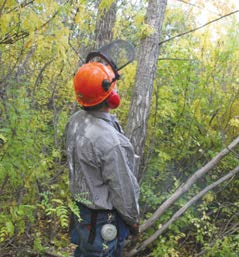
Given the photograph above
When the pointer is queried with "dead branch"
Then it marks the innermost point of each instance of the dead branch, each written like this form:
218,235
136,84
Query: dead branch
194,199
200,27
186,186
194,5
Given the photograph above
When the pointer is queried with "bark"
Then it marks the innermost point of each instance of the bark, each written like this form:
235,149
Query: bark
148,53
104,25
176,215
186,186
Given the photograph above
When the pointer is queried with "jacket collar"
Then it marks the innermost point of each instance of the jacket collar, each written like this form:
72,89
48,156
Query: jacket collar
101,115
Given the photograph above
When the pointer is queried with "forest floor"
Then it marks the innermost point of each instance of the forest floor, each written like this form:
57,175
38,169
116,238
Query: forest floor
51,252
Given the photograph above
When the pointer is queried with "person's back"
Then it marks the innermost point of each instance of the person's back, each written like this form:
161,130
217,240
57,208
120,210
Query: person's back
101,167
92,143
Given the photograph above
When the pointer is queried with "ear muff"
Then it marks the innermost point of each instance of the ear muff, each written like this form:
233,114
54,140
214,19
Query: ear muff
113,101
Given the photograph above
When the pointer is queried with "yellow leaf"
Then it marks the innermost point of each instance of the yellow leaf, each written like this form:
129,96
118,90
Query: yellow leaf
208,197
78,18
234,122
4,21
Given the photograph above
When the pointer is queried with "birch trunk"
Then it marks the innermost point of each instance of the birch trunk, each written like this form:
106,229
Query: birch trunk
148,52
104,25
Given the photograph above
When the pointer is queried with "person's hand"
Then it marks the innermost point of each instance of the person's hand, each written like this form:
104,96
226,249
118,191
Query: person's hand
134,229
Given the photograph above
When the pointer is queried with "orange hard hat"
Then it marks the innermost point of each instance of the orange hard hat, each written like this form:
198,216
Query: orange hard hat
93,83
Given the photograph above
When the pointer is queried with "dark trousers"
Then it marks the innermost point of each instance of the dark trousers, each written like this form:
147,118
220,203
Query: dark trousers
89,240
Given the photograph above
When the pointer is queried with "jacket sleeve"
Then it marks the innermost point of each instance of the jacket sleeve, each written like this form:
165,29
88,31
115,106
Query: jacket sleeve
122,184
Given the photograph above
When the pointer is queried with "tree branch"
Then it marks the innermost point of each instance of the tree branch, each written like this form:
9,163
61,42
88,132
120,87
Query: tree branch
22,5
194,5
4,183
1,8
11,39
38,79
200,27
175,59
197,6
152,238
186,186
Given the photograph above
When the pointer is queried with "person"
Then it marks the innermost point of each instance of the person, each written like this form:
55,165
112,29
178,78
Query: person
101,167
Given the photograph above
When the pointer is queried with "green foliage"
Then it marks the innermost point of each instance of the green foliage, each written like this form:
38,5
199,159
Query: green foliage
194,115
130,23
54,207
166,248
37,244
105,4
15,221
228,246
36,99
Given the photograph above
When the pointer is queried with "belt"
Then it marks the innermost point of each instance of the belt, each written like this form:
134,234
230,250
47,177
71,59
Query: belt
98,211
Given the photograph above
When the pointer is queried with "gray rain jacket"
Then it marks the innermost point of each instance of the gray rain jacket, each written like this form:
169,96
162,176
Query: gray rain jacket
101,164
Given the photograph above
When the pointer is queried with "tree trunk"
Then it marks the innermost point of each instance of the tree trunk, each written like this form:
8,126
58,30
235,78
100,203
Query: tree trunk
104,24
136,128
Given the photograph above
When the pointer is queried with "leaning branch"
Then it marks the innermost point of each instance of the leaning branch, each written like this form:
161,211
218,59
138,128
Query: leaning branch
152,238
200,27
186,186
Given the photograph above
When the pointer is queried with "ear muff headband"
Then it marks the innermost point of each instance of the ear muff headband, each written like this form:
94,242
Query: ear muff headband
106,84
